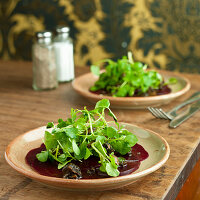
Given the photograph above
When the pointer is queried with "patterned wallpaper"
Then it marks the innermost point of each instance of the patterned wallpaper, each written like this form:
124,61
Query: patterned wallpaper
163,33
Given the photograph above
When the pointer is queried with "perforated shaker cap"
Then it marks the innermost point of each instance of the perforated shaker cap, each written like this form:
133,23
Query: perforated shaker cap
44,34
62,29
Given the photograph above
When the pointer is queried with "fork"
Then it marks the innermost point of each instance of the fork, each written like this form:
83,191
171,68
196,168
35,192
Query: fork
159,113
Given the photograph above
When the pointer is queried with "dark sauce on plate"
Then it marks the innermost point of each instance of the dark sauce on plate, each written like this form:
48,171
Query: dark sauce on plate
49,168
151,92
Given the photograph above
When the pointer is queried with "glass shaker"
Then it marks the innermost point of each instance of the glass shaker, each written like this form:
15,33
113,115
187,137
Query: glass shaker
44,64
64,54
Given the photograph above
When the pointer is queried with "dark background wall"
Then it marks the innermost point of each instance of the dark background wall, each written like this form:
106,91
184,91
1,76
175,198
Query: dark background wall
163,33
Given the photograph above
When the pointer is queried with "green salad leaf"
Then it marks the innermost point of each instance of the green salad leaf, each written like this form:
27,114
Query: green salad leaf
86,134
126,77
43,156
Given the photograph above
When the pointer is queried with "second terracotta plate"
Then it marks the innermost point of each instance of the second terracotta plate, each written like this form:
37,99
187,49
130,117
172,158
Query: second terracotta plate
84,82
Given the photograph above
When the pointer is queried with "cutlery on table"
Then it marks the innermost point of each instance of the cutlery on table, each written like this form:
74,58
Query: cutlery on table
172,114
185,115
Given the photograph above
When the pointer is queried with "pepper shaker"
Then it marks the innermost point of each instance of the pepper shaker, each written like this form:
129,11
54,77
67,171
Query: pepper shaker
44,64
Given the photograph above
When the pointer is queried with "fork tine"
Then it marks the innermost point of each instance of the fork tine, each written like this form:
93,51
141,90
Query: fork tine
151,109
159,113
165,114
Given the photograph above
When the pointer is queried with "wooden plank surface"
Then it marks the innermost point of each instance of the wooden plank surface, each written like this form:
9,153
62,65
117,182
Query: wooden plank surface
22,109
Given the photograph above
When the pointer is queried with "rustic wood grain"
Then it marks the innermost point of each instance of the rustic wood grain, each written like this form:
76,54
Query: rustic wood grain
22,109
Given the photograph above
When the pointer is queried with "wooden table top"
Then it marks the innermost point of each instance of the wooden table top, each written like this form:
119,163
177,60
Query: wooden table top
22,109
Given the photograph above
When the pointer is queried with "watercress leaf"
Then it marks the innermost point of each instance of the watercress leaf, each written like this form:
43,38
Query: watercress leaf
43,156
144,88
60,120
98,124
123,91
50,141
95,88
81,155
95,70
50,125
124,131
81,127
103,167
67,146
61,165
101,139
71,132
82,120
120,146
147,81
97,146
75,147
69,121
138,66
60,135
159,77
131,91
62,158
111,171
61,123
104,103
111,132
88,153
131,140
113,161
136,81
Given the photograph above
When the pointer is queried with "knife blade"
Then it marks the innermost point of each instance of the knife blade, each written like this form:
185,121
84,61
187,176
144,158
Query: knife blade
185,115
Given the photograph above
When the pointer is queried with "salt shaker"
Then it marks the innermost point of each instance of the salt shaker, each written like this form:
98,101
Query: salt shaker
64,54
44,64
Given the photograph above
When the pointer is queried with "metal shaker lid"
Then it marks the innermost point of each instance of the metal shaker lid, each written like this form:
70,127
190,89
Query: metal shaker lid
62,29
44,34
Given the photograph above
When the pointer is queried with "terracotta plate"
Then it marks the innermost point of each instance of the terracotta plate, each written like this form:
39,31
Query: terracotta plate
84,82
154,144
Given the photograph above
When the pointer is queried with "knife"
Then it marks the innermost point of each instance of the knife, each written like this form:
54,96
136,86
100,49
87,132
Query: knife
185,115
191,99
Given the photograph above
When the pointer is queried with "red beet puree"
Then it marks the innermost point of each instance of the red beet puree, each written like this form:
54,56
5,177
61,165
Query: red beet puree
133,160
152,92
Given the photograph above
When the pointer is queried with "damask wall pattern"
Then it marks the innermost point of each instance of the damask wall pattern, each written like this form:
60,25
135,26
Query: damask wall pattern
163,33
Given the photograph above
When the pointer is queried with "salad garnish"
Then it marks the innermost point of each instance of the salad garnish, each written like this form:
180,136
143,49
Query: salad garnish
87,133
127,78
